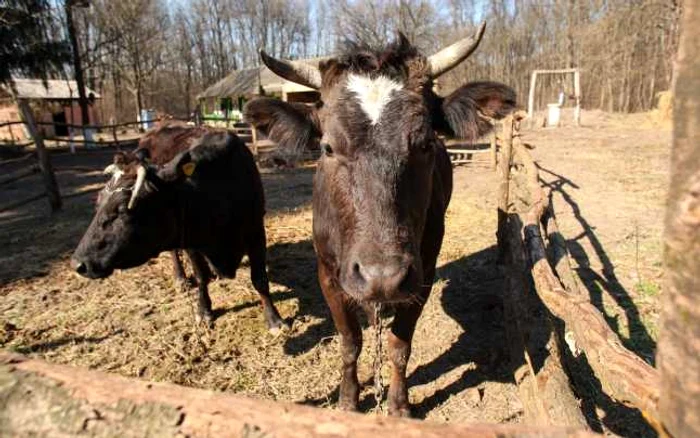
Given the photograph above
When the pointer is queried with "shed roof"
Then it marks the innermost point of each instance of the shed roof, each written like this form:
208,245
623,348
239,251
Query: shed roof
246,82
54,89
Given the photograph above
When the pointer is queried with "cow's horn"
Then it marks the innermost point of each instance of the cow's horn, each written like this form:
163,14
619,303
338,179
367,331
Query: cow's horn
449,57
111,169
299,72
140,179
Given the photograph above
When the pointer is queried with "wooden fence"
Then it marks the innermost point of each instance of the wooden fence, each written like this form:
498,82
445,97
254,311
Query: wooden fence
535,253
43,164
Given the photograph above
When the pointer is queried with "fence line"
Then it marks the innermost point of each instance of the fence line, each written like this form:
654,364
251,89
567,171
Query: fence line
525,216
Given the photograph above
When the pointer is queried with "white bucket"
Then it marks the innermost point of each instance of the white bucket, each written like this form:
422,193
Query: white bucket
553,114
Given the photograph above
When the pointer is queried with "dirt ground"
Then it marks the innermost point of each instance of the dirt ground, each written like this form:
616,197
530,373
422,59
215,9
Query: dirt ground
609,179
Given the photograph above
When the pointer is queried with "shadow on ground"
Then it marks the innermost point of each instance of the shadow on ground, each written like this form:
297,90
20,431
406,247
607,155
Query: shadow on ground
639,340
473,299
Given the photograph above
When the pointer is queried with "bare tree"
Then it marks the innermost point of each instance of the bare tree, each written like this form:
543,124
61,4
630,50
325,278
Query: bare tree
624,48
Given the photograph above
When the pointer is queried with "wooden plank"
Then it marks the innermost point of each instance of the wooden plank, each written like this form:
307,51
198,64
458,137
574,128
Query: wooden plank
42,399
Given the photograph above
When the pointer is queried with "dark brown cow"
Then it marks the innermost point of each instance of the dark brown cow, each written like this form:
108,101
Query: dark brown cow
207,200
383,183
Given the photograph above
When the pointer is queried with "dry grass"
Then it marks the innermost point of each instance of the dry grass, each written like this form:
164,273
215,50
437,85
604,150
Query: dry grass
137,324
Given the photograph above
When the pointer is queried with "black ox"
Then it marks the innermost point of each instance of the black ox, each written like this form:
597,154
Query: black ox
207,200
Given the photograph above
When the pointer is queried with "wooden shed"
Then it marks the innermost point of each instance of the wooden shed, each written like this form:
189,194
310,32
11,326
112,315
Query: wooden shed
53,101
228,95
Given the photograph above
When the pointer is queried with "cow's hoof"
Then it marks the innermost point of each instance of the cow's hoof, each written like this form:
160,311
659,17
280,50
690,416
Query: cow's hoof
205,318
186,283
403,412
278,327
347,406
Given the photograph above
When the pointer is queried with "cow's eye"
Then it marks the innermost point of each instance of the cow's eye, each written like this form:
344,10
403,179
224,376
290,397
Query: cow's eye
327,149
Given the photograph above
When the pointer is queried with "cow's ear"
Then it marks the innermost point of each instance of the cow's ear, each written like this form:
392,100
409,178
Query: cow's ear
293,126
466,112
179,167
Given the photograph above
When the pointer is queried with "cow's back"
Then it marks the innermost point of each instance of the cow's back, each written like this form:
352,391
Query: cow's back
165,142
224,199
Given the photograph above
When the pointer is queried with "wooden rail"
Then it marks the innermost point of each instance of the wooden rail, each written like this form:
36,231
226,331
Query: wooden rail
525,216
42,399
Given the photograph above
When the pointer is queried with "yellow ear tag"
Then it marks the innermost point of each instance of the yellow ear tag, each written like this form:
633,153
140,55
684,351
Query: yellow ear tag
188,168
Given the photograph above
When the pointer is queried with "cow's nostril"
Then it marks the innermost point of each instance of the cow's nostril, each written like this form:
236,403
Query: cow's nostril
357,271
81,268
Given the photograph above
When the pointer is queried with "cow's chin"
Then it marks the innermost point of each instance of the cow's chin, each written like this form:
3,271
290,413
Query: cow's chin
96,273
408,292
383,297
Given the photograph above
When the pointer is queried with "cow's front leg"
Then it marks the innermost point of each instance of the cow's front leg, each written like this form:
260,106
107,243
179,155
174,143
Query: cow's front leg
348,327
178,269
257,252
203,275
400,339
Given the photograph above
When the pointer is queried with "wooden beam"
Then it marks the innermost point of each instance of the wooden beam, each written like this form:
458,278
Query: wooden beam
42,399
679,343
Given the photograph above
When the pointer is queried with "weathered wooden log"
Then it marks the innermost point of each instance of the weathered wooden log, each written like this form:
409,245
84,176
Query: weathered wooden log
622,374
42,399
679,343
545,392
558,251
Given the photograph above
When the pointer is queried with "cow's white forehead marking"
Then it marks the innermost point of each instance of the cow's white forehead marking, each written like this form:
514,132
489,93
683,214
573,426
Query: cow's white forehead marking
372,93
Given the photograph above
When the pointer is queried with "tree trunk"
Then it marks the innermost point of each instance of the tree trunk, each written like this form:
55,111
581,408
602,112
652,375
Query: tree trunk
679,345
77,65
41,399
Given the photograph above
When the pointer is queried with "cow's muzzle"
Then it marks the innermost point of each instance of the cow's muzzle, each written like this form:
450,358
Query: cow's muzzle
89,269
379,278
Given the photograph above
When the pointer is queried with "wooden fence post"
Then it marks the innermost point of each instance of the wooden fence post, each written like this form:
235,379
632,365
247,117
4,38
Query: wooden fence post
43,156
679,343
504,162
531,98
